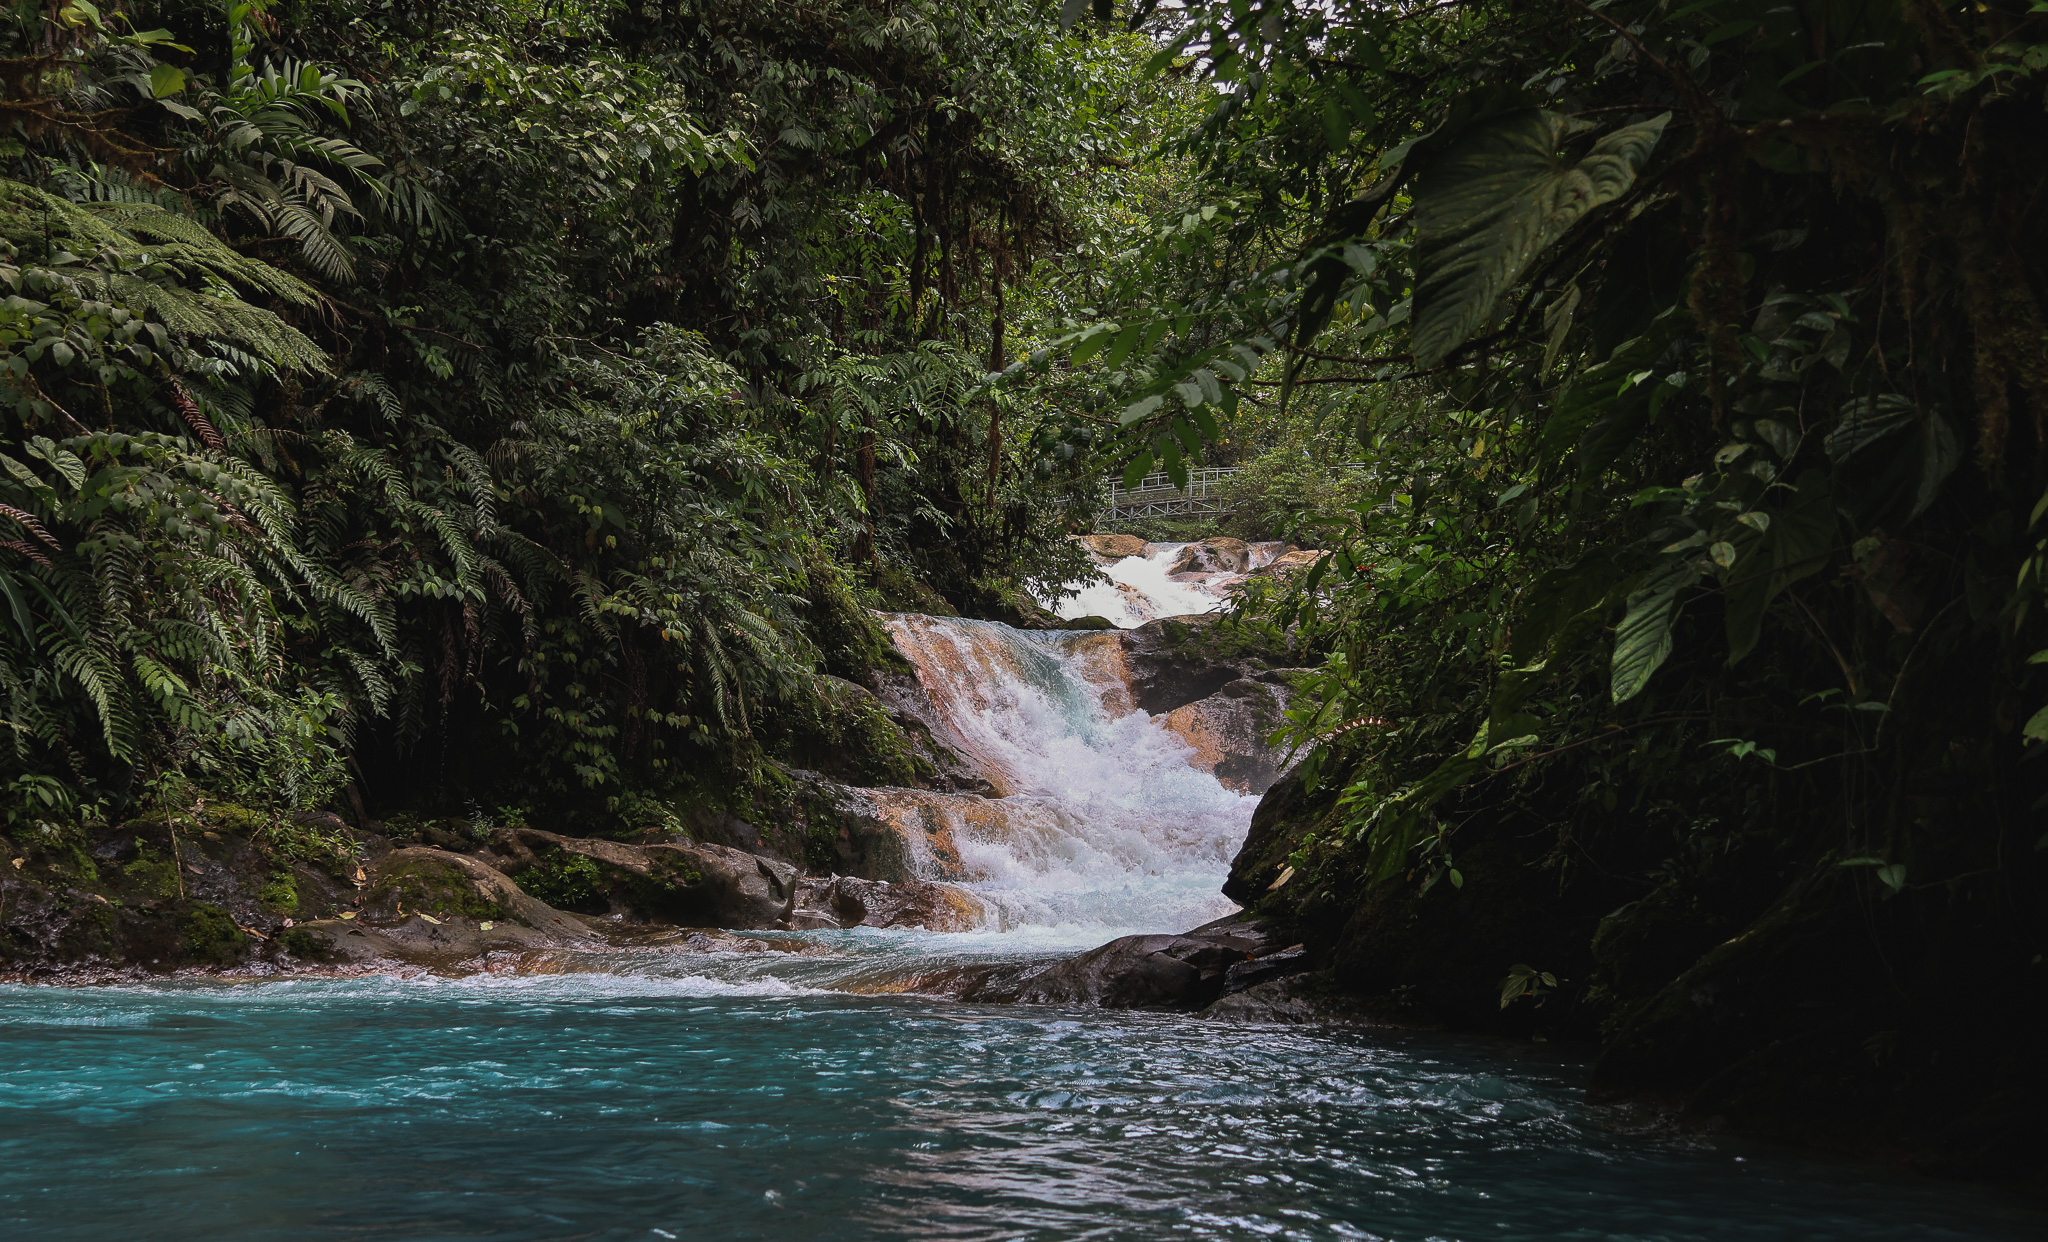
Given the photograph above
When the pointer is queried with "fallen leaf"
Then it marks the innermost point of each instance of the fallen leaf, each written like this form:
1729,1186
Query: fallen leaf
18,862
346,914
487,925
1286,874
431,919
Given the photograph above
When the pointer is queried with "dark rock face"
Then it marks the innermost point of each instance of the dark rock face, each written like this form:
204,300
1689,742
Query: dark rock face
1187,971
687,885
1290,999
1228,730
1285,813
1169,665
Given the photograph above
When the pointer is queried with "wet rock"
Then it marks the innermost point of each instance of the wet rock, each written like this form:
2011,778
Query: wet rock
1264,554
844,901
436,910
1228,730
1174,661
1283,964
910,704
1290,999
1218,555
1288,564
1167,665
876,834
690,885
1187,971
1111,548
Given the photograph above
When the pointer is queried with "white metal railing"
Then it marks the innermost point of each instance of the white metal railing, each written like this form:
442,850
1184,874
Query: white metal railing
1156,496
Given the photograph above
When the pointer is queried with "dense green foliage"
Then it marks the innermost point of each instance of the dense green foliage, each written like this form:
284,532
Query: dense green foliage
1696,663
518,402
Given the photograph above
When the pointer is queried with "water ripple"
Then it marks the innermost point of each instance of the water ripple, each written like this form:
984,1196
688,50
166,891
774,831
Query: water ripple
594,1106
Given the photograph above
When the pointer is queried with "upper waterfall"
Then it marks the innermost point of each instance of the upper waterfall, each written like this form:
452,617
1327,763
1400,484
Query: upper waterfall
1135,582
1102,823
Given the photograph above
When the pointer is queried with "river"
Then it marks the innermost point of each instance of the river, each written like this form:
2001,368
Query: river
800,1091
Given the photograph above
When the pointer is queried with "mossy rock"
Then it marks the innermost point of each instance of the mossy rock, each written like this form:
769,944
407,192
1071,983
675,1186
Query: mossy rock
1088,623
688,885
280,894
415,881
567,881
234,818
304,945
210,935
843,730
897,591
150,874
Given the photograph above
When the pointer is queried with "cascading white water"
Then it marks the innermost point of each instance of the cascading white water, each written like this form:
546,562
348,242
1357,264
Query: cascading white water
1102,825
1137,589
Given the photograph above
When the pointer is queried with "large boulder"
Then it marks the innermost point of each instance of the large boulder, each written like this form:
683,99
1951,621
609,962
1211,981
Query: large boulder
1218,555
430,909
690,885
1189,971
1108,549
842,901
1174,661
1228,730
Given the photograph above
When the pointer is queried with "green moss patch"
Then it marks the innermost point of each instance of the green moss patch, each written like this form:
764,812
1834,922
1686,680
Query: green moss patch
431,886
210,934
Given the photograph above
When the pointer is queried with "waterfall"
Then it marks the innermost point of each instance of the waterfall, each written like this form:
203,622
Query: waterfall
1101,825
1137,589
1165,580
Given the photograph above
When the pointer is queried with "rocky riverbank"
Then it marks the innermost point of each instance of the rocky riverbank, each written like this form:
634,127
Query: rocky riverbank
229,889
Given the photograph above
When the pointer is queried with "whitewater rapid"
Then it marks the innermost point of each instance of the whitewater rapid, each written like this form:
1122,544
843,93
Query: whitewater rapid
1137,589
1101,825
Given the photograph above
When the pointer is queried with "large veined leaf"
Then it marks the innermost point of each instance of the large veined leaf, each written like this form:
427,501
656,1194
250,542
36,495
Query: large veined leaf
1643,642
1495,200
1794,544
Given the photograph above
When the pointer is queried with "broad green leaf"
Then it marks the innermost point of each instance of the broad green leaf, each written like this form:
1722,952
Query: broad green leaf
1139,467
1723,554
2036,729
1560,605
1125,342
1499,197
1643,641
166,80
1796,546
1867,420
1090,345
1784,440
1594,395
1940,454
